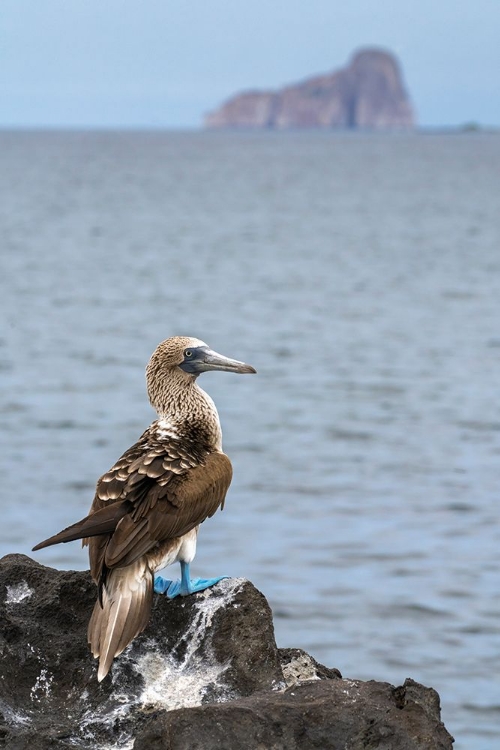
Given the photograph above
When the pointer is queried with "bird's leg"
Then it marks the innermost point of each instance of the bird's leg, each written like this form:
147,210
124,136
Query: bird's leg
186,585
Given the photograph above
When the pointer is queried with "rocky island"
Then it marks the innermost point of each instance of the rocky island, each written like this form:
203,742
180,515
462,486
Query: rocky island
368,94
206,674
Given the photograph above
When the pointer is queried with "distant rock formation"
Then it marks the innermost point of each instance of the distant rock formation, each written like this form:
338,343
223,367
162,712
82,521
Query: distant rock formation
368,94
206,673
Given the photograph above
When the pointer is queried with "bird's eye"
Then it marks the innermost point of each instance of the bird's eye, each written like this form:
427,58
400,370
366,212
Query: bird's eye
188,353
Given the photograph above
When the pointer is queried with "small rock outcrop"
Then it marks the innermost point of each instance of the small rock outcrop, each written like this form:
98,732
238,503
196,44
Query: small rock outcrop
368,94
205,674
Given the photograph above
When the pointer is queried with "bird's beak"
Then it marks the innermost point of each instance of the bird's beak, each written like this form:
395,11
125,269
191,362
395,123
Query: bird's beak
210,360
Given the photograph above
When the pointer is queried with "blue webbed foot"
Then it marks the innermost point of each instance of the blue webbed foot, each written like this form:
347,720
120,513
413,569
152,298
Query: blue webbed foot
185,586
177,588
161,585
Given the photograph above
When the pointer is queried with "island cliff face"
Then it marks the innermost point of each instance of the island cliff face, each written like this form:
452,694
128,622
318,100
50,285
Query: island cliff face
368,94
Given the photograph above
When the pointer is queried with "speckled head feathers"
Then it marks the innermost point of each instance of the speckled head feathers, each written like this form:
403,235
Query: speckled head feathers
163,373
170,353
176,363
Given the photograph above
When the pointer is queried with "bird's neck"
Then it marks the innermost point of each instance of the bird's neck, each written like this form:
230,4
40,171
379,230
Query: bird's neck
185,410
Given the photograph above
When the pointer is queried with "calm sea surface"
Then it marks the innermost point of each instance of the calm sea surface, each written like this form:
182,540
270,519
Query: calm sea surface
360,275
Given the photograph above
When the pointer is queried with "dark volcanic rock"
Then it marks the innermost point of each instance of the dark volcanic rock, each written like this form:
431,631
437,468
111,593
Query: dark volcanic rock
369,93
216,645
327,714
205,673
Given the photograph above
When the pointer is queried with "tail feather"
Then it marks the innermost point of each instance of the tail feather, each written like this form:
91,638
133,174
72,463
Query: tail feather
103,521
125,612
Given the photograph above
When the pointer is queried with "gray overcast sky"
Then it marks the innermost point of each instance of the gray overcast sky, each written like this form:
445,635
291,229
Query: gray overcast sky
163,63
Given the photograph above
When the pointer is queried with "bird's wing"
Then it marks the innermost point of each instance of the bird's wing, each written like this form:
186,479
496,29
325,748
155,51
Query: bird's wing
169,486
136,481
150,462
158,490
186,501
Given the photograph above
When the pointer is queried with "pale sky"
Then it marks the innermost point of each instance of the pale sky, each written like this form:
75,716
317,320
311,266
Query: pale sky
159,63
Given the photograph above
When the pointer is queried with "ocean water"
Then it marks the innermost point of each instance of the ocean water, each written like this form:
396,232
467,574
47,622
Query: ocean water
360,275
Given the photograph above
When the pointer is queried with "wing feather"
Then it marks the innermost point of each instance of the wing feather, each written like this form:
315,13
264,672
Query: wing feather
171,486
157,491
191,498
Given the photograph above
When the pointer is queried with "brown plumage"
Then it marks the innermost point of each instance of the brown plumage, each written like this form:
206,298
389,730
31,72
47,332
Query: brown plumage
148,506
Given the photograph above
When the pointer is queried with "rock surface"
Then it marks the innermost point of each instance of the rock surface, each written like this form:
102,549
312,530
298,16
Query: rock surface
327,714
368,94
206,673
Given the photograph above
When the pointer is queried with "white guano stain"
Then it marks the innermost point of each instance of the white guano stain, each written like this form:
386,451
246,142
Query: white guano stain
17,593
42,686
170,684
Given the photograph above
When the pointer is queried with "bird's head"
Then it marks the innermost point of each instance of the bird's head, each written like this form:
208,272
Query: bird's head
184,358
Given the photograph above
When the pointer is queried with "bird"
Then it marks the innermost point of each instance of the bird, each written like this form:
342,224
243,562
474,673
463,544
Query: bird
148,507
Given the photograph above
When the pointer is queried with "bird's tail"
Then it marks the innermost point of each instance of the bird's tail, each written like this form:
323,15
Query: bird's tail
127,597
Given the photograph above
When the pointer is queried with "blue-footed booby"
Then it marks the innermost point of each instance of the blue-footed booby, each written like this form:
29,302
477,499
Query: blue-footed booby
148,507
